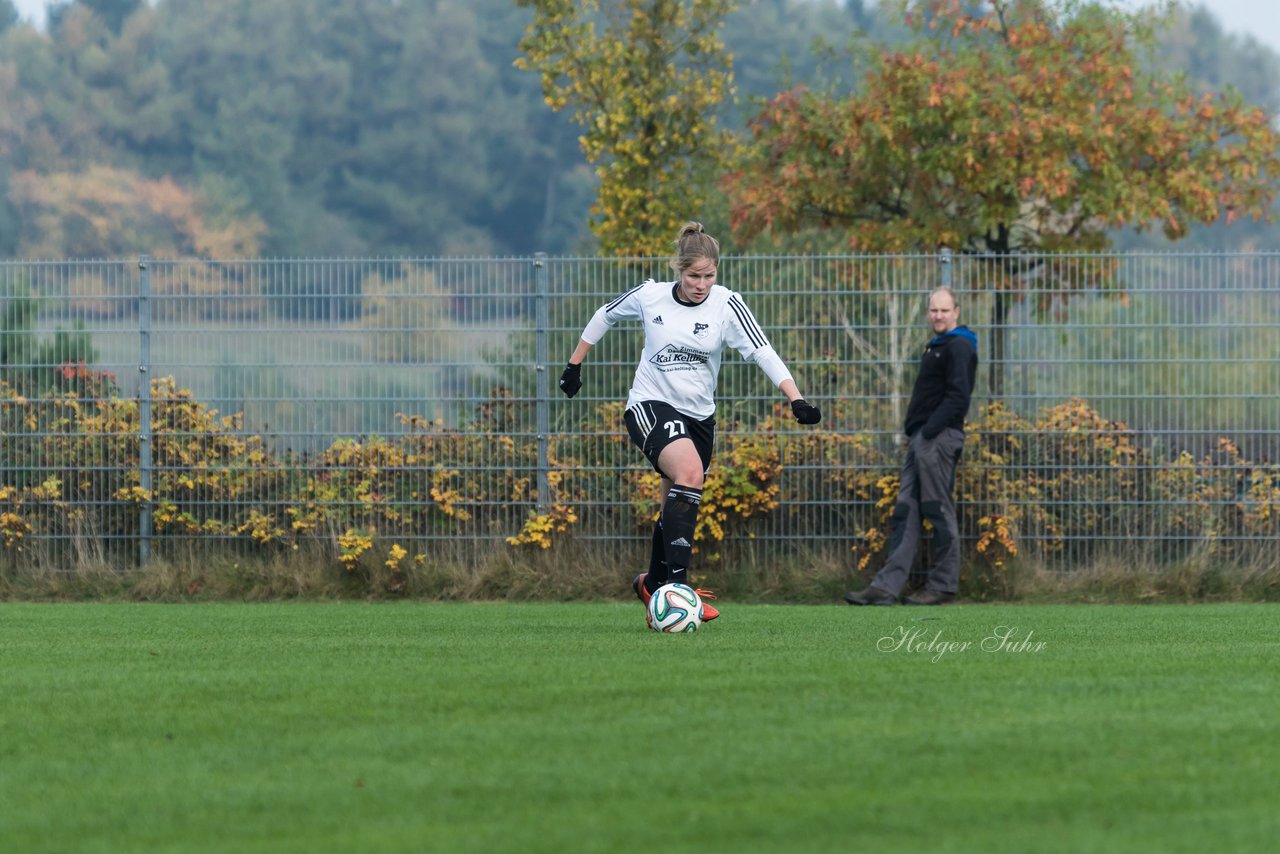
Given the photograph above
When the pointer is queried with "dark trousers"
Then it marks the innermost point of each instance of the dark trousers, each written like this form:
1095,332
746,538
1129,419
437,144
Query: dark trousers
927,483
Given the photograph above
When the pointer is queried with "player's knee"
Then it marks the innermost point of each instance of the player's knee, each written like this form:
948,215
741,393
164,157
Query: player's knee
679,462
686,472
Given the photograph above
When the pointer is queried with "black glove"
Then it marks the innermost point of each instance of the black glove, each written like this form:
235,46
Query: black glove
571,379
805,412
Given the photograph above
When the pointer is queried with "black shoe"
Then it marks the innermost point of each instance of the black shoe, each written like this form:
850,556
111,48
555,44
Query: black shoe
930,597
871,596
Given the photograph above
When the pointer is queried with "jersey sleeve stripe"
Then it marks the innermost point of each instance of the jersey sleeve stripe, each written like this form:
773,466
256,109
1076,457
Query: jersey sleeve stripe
748,322
611,306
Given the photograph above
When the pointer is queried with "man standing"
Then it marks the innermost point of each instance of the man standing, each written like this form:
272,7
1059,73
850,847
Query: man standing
935,429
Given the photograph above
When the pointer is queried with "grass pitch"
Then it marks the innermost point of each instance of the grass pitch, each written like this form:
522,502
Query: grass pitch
546,727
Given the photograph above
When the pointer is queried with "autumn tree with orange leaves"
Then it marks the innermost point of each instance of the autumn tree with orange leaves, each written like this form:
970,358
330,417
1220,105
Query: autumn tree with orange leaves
1006,126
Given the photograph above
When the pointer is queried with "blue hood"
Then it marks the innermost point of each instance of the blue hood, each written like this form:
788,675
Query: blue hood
962,331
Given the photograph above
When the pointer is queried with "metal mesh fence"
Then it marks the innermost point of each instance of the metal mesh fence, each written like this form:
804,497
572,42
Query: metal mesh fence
1126,404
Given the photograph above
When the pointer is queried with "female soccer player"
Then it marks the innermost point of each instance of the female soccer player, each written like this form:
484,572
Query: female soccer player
671,407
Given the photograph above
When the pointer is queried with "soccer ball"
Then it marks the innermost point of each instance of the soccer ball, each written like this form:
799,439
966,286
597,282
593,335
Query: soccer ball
675,608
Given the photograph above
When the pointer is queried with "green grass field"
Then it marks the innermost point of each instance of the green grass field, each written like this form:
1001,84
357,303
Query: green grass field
543,727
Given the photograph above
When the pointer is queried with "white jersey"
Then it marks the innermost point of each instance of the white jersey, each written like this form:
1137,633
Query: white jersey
682,343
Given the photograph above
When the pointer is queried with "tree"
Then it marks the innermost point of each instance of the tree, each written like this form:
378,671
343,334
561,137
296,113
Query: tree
646,78
777,42
29,363
113,13
91,214
1026,125
1195,44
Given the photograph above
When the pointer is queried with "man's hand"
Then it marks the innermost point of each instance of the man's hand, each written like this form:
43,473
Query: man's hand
571,379
805,412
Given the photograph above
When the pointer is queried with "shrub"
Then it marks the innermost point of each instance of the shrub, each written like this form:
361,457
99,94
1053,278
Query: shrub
1043,489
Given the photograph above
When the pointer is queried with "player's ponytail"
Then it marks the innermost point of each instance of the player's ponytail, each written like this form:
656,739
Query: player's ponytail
692,245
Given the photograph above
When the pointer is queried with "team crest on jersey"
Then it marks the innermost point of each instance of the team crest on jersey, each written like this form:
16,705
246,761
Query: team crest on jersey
672,357
700,330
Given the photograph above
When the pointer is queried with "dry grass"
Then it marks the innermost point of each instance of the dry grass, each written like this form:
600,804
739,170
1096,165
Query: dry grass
452,573
1200,577
603,571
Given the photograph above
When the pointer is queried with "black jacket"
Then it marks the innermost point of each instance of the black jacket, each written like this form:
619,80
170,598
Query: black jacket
944,385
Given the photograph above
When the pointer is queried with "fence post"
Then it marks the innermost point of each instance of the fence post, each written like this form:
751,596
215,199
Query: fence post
543,380
144,407
944,259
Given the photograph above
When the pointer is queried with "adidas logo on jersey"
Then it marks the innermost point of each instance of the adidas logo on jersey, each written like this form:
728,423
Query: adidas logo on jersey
681,542
657,321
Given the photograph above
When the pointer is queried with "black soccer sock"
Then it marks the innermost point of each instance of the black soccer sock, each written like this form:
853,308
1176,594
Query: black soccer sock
679,519
657,560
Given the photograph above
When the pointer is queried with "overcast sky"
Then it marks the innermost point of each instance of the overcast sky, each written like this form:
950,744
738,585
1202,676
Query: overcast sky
1258,18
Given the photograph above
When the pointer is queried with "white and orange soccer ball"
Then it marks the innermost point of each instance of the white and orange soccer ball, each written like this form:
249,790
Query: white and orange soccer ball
675,608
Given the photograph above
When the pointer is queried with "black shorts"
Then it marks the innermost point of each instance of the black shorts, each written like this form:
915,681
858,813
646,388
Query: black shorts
653,425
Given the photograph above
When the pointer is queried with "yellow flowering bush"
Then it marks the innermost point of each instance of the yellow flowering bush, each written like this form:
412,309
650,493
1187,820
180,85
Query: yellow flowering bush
1064,483
1048,485
539,529
351,545
13,524
1221,502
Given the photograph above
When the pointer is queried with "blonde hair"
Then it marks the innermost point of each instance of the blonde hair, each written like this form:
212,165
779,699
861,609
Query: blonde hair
693,244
